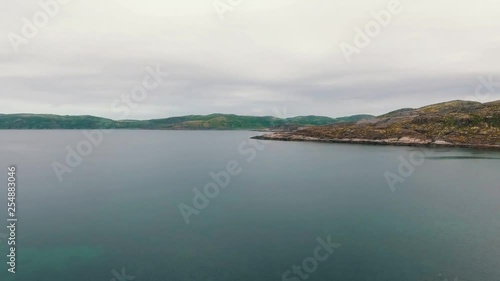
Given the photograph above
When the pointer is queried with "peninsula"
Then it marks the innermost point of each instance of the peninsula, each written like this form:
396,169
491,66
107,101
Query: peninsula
451,124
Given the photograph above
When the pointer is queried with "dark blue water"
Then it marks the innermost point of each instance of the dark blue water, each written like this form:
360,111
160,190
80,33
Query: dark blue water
116,215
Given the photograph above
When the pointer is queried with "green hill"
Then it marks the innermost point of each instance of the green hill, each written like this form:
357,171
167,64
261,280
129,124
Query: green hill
194,122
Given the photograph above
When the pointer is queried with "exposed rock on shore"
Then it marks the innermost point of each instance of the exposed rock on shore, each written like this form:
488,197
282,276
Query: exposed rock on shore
451,124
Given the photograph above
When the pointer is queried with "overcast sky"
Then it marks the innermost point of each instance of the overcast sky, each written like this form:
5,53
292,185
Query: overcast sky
264,56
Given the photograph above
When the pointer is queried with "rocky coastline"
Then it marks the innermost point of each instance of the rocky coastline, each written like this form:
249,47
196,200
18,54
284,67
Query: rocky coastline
404,141
463,124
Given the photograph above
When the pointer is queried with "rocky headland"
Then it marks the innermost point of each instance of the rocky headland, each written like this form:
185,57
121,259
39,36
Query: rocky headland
451,124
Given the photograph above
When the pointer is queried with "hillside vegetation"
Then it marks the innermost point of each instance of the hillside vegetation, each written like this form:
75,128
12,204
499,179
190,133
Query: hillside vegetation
194,122
462,123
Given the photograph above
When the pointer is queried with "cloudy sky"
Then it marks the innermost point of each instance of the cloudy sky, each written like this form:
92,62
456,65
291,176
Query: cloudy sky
254,57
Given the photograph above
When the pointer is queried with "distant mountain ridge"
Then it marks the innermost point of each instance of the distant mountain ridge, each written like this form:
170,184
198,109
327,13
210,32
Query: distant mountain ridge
455,123
191,122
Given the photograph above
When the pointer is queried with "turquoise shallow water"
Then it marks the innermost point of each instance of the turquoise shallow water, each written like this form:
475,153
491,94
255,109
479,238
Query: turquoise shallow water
119,209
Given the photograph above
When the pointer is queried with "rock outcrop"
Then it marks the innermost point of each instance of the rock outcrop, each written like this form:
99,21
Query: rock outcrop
456,123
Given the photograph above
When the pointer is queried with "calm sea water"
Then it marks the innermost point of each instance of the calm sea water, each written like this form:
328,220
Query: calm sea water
116,215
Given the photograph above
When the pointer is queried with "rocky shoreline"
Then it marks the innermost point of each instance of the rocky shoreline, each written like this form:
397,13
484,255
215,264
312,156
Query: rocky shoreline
404,141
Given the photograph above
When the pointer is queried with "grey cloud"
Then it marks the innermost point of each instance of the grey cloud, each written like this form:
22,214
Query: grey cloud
263,56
